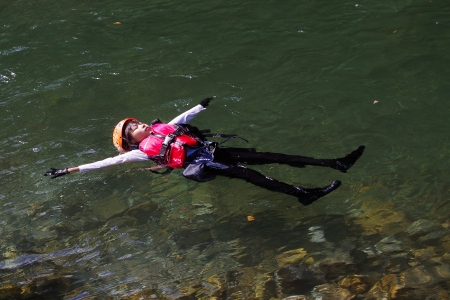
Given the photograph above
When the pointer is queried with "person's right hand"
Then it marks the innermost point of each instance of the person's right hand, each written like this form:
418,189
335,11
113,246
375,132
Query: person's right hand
56,172
206,101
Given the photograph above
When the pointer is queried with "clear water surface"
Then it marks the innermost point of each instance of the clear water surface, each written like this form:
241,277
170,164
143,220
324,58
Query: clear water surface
299,77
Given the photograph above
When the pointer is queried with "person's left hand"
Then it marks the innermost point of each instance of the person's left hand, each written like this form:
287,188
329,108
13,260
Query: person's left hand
206,101
56,172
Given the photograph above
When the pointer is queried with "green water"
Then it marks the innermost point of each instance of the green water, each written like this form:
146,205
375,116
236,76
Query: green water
296,77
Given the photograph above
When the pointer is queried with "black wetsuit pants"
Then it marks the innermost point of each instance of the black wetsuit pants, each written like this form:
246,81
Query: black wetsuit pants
231,157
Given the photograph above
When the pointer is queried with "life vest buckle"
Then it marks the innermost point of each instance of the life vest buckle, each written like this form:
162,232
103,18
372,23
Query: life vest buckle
169,138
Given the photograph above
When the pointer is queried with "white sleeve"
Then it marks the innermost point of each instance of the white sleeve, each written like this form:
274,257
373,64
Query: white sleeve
187,115
131,156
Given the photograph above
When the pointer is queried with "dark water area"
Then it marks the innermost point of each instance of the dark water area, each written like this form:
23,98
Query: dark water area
298,77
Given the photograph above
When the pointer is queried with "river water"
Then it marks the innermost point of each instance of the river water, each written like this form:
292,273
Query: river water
297,77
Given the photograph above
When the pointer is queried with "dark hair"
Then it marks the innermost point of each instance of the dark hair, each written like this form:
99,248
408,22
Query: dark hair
127,140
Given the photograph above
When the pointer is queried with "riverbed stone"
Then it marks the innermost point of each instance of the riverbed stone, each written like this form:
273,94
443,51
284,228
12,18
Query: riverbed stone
441,271
386,288
118,223
144,212
66,228
264,286
48,247
212,286
336,264
424,253
445,243
296,279
43,235
291,257
384,220
421,227
106,208
390,245
189,238
413,283
331,292
446,258
417,277
433,236
356,284
141,295
10,292
48,287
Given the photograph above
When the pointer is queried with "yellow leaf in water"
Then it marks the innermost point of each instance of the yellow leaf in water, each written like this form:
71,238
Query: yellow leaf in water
250,218
375,101
117,23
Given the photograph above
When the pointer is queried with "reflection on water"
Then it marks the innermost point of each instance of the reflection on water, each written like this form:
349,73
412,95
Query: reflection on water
298,78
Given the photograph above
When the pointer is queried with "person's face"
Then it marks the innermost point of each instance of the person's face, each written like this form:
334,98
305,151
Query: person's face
139,131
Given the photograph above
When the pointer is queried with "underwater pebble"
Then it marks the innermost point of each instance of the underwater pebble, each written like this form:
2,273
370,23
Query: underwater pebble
421,226
389,245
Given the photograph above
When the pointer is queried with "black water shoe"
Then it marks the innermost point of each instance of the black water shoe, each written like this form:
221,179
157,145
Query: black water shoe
343,164
308,196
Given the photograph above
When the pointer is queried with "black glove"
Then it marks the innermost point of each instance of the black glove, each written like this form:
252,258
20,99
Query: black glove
205,102
56,172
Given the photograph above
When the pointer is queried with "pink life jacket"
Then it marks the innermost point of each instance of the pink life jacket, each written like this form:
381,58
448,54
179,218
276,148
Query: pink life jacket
166,144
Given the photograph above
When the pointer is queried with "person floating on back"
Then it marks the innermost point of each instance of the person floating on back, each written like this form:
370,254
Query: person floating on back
177,145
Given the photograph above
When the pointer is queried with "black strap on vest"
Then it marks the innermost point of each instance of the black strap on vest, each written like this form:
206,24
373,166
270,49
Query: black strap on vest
225,136
169,139
164,153
194,132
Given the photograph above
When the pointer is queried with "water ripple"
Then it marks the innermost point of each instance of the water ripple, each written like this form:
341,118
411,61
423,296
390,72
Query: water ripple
13,50
27,259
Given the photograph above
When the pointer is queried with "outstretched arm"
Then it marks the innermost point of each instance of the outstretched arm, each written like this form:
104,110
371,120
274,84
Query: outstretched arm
132,156
190,114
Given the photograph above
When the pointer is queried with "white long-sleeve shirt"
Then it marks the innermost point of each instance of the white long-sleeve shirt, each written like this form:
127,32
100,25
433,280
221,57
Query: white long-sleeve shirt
138,155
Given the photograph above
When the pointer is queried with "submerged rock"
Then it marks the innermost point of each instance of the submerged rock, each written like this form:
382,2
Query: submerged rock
383,220
389,245
295,279
291,257
356,284
331,292
10,292
191,237
445,243
144,212
425,254
386,288
432,236
421,227
264,286
417,277
441,271
107,208
335,264
410,284
48,287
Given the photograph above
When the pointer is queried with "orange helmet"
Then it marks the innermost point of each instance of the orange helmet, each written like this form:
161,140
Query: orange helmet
118,135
